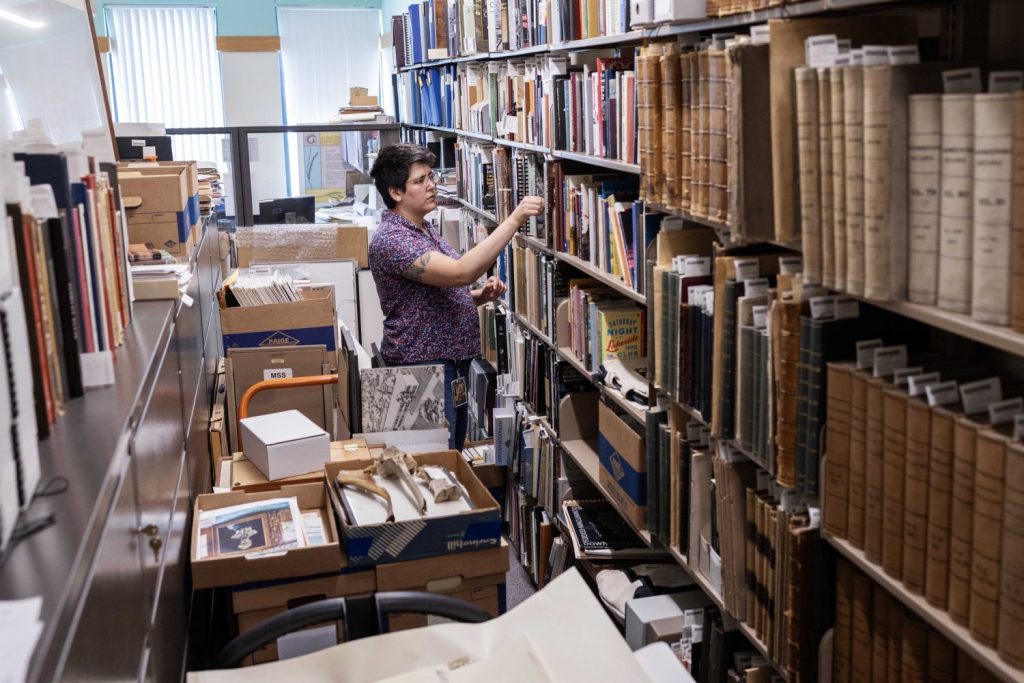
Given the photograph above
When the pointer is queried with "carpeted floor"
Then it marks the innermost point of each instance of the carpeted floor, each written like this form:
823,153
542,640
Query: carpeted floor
518,586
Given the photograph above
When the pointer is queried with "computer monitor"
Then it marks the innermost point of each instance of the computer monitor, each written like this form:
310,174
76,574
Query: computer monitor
287,210
134,147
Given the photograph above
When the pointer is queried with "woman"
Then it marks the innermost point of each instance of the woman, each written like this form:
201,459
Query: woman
430,314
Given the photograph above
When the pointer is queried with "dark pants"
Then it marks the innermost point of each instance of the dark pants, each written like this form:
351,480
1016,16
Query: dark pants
458,418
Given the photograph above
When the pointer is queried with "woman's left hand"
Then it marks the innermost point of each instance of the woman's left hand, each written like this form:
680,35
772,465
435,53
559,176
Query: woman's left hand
491,291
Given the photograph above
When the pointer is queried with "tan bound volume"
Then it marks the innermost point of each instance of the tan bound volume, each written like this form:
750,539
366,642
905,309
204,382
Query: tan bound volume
987,541
941,658
915,486
687,65
858,457
826,179
786,345
842,639
750,212
1011,578
879,635
896,622
925,143
837,93
993,189
670,86
886,89
956,204
808,170
853,134
894,419
656,120
646,105
874,466
1017,290
914,653
701,174
965,437
838,457
940,501
860,648
717,125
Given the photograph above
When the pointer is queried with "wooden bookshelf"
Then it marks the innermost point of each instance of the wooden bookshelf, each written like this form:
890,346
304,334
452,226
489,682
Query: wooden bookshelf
584,453
938,619
601,276
536,244
521,319
567,355
996,336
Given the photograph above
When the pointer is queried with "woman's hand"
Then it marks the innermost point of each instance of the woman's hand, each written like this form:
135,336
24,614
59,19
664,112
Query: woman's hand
491,291
530,206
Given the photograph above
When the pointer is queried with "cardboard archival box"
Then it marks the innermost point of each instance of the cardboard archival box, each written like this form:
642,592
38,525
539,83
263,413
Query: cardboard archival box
246,477
189,169
306,322
350,242
285,444
234,570
166,231
160,191
623,465
377,543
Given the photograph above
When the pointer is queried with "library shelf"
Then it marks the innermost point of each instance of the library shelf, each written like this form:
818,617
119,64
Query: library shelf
705,585
521,52
598,42
533,330
539,149
638,413
996,336
601,276
611,164
476,209
710,222
567,355
735,20
473,134
937,618
584,453
424,126
536,244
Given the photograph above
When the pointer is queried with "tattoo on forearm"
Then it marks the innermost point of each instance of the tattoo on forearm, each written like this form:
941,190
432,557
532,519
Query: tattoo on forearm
418,268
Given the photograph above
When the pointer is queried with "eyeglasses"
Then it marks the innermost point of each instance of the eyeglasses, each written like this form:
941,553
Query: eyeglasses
433,177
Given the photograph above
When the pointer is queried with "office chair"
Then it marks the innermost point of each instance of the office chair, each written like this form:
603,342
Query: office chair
360,617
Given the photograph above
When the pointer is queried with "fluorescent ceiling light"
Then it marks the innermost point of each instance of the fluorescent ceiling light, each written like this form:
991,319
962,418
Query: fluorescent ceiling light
20,20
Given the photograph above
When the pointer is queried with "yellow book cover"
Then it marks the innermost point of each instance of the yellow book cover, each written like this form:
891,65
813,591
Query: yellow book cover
621,332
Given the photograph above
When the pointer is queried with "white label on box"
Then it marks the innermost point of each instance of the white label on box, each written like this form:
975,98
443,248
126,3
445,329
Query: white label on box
918,383
760,35
277,373
847,307
1006,81
941,393
697,266
961,81
875,55
138,143
1002,412
888,359
904,54
790,265
856,57
976,396
823,307
820,51
866,353
901,376
755,287
760,317
747,269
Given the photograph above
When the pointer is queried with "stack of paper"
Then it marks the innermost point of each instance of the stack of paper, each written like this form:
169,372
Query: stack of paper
256,288
20,629
160,281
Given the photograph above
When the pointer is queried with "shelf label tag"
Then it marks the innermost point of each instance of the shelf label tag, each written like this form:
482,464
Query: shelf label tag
941,393
976,396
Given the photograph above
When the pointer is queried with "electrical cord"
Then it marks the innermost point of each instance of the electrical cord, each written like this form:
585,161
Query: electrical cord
27,527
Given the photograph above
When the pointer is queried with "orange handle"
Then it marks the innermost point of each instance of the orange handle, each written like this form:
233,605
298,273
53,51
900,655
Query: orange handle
282,383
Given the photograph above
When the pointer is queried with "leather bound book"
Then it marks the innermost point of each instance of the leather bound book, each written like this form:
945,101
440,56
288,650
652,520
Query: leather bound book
957,203
879,634
861,640
1011,578
751,556
717,126
895,658
894,452
874,466
1017,245
940,502
987,538
970,671
842,637
786,330
808,171
825,179
993,189
853,133
916,487
645,132
858,458
750,211
941,658
914,653
924,166
965,437
656,120
687,70
699,135
837,94
837,478
885,174
670,87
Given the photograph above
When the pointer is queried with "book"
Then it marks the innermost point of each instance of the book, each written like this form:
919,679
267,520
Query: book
957,204
597,530
924,187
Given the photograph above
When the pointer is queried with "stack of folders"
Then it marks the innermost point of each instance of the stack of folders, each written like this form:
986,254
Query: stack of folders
160,281
259,288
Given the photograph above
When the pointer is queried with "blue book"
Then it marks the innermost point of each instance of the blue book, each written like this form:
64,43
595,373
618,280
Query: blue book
417,43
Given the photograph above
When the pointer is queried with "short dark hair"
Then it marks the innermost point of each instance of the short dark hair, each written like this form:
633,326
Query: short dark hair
391,169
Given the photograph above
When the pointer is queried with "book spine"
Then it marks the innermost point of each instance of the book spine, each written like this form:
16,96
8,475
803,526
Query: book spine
670,87
956,203
838,98
993,189
860,649
895,654
941,659
842,639
858,458
874,466
837,478
825,179
940,500
962,520
914,654
1017,246
1011,577
895,428
808,159
717,134
687,63
880,639
925,152
989,478
915,485
853,138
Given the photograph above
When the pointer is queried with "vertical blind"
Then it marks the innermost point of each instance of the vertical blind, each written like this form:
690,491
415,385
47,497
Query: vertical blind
165,69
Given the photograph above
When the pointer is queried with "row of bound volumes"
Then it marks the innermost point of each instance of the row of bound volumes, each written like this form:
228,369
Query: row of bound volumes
876,639
426,97
603,325
924,476
703,147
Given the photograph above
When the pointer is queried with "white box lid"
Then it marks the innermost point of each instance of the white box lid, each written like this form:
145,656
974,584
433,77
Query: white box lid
288,425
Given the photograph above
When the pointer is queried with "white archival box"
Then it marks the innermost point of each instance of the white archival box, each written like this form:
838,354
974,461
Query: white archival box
285,444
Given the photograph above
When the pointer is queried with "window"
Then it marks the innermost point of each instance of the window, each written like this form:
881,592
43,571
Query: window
164,69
